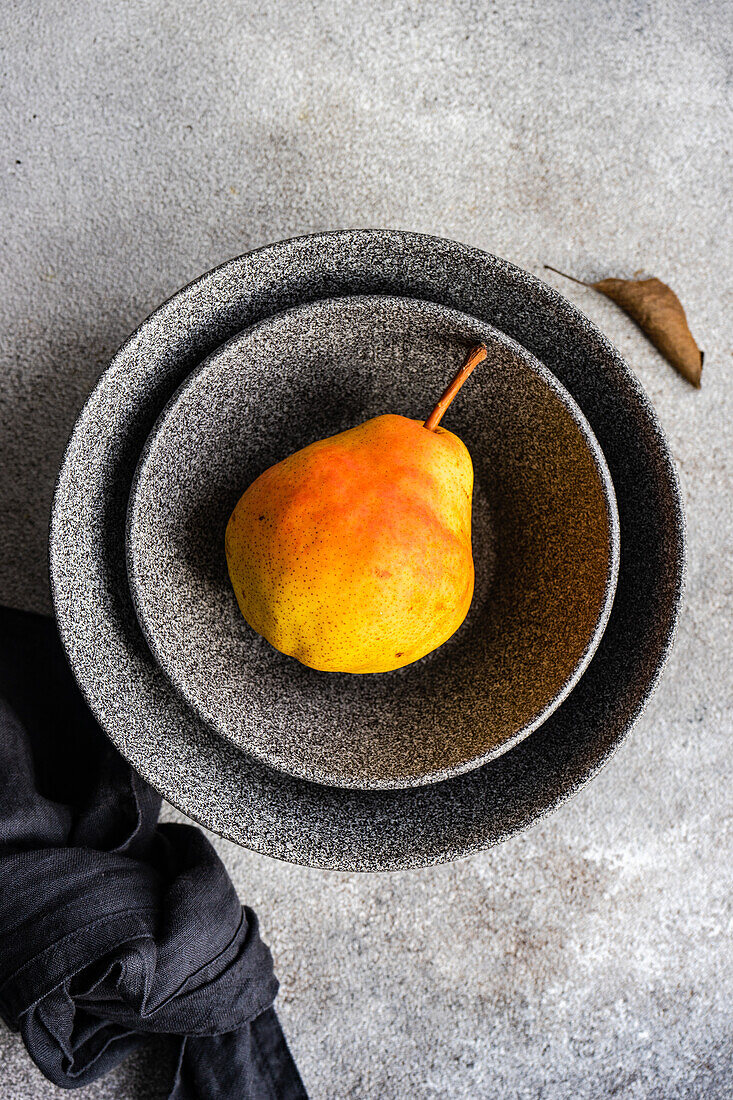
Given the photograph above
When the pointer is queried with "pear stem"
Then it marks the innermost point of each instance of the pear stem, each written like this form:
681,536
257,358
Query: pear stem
475,356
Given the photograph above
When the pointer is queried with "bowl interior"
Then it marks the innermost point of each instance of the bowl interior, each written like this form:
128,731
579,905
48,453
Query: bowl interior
545,542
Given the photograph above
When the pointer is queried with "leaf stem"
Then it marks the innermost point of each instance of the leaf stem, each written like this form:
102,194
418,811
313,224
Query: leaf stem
565,276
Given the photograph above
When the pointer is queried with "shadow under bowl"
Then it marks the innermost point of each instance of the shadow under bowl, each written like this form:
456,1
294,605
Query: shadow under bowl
545,542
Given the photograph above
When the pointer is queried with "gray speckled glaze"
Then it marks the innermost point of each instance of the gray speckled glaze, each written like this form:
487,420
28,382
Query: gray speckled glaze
200,772
545,542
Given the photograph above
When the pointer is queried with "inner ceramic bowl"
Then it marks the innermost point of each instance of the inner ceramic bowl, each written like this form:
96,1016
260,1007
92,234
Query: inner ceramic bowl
545,542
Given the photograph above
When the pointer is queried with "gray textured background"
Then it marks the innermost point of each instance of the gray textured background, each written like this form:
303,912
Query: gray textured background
141,144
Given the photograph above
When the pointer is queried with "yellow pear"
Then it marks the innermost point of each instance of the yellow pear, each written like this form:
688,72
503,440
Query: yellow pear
354,554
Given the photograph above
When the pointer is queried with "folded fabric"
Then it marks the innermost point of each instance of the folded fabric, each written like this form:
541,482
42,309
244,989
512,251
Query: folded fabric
112,926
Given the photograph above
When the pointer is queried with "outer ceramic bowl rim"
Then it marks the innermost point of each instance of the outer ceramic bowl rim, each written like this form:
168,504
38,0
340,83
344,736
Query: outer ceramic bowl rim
328,851
419,779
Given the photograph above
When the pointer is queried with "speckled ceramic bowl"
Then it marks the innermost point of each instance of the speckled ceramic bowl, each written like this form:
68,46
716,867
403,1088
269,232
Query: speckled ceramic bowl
545,542
209,778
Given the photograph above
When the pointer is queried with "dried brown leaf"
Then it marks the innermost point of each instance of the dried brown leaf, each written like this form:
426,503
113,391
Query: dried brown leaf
659,314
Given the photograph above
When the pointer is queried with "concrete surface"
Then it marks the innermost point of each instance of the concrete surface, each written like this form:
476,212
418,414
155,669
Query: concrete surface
142,143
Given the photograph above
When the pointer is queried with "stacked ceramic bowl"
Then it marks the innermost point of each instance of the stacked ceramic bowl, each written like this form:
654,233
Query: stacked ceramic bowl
578,547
